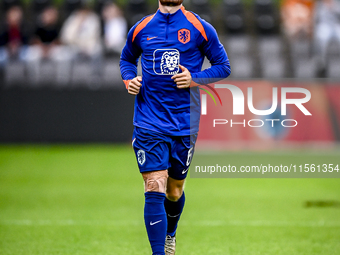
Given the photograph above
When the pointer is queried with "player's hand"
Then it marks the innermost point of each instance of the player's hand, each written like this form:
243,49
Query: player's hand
134,85
183,79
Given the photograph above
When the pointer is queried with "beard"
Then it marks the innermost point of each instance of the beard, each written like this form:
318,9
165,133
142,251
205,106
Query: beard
171,2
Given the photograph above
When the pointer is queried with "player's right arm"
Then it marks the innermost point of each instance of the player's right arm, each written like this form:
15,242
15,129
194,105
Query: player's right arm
134,85
129,62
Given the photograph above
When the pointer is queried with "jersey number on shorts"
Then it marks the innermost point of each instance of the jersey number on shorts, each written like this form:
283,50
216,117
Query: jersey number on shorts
189,156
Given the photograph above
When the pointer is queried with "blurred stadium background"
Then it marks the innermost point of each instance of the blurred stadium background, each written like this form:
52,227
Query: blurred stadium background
62,83
61,194
264,39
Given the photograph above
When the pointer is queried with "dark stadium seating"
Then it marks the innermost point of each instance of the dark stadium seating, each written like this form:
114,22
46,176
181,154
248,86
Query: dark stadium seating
99,4
266,18
39,5
8,3
202,8
333,69
136,10
71,5
271,57
233,16
303,65
333,63
239,51
249,31
80,74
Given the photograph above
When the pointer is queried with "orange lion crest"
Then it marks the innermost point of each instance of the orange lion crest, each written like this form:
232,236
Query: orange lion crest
184,35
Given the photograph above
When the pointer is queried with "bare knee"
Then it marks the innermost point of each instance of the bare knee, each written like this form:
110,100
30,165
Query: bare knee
155,181
174,189
174,195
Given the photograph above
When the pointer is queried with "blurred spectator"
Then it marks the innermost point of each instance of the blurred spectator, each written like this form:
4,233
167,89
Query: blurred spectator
13,36
297,17
81,31
47,32
327,29
115,29
46,45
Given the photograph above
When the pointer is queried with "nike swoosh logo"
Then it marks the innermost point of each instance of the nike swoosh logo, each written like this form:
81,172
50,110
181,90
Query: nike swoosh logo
173,216
185,170
150,38
153,223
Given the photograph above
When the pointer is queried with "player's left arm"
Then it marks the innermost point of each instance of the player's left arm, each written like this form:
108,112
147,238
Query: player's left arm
216,54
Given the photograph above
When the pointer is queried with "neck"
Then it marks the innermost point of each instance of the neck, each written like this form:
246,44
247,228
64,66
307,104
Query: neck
169,9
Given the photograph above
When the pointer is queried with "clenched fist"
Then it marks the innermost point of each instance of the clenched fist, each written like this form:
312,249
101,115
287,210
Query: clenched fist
183,79
134,85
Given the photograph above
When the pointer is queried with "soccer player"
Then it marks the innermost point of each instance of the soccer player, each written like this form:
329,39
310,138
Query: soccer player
172,44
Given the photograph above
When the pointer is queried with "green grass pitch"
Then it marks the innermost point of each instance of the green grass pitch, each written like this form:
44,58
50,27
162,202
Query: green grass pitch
88,199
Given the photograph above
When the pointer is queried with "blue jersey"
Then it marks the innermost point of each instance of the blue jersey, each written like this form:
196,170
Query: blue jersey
164,41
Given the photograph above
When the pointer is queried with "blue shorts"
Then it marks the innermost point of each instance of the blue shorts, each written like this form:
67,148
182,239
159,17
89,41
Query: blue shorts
155,151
